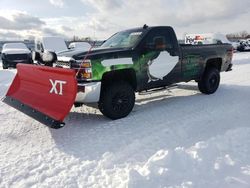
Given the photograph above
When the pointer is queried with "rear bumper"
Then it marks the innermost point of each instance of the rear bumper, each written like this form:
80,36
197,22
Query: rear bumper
88,92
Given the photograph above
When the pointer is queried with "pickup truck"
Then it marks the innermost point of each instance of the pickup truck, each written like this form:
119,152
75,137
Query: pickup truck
14,53
135,60
143,59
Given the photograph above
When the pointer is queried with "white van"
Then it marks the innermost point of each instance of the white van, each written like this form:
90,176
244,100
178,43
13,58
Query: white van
52,44
48,44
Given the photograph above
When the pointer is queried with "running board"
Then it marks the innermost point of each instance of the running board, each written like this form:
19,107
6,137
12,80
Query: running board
151,91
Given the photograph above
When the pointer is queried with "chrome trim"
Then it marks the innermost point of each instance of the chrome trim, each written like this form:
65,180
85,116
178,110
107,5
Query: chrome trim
63,64
64,58
63,61
91,93
85,61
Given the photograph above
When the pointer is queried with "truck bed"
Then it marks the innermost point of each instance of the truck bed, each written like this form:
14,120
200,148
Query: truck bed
206,51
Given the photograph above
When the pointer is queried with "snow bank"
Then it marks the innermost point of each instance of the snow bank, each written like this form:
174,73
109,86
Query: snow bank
222,161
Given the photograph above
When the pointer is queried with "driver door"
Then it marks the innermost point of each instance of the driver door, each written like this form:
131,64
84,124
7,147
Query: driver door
159,61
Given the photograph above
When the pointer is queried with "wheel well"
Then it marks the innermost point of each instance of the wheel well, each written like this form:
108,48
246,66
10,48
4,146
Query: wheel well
214,63
127,75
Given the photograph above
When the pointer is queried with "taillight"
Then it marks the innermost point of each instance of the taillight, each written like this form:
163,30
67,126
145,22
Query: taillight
231,52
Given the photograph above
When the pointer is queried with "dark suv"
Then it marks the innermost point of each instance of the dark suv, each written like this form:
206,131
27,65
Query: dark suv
14,53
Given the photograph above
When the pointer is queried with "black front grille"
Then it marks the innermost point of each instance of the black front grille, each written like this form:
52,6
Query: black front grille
12,57
63,63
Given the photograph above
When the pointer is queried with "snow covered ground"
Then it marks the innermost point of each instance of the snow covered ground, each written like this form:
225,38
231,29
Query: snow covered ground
176,139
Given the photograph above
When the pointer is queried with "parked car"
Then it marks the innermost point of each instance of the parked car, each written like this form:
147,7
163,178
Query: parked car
83,46
244,45
53,44
14,53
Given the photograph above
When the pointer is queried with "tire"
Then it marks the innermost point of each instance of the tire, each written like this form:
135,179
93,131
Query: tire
4,66
117,100
210,81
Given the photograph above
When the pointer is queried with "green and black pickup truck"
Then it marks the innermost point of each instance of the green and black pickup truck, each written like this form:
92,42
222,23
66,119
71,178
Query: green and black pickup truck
142,59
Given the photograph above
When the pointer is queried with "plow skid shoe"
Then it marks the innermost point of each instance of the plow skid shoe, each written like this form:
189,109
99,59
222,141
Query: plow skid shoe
43,93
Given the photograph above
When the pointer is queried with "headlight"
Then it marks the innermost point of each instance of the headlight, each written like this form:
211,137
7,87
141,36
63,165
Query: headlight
84,70
86,63
48,56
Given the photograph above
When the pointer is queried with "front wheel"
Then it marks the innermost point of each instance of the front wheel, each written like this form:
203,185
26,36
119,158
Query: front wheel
210,81
117,100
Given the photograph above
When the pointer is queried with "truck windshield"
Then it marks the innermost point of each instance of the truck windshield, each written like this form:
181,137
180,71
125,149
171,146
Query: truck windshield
123,39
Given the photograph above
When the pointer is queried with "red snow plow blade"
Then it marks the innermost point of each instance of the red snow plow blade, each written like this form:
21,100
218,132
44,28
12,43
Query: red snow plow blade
43,93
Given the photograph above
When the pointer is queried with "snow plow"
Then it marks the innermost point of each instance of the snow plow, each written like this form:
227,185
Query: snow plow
44,93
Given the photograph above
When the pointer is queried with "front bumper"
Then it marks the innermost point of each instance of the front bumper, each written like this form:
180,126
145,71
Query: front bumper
13,63
88,92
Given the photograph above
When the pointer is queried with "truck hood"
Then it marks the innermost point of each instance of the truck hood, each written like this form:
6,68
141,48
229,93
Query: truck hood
96,52
16,51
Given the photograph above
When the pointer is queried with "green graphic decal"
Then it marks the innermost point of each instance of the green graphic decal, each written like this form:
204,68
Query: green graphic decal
192,67
140,65
98,69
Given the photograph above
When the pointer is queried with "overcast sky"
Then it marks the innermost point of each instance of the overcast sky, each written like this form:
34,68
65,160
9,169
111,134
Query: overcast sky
101,18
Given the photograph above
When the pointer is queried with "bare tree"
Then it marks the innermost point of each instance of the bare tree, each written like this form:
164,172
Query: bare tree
238,35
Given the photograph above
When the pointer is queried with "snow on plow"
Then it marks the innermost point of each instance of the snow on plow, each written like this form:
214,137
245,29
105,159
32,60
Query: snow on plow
43,93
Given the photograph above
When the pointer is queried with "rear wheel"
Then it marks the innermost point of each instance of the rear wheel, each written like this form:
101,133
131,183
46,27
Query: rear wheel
210,81
117,100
